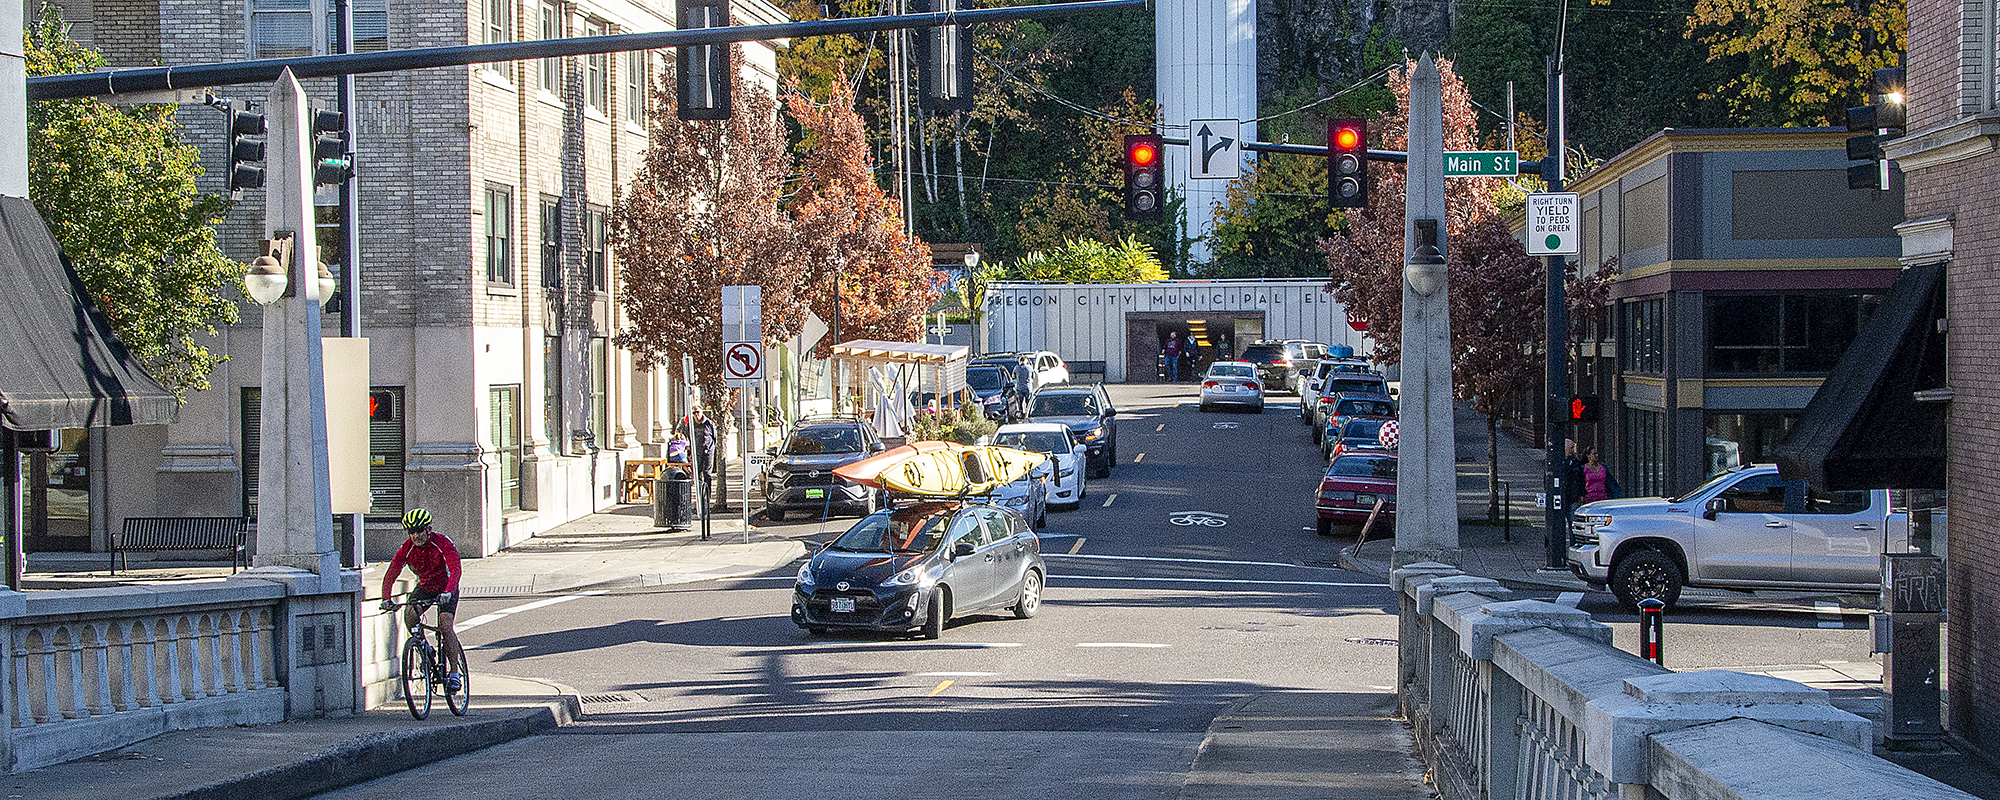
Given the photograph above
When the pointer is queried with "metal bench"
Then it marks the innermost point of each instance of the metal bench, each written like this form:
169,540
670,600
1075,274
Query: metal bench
162,534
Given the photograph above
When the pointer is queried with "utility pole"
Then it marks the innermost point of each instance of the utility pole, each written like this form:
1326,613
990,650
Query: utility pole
353,545
1427,481
1555,406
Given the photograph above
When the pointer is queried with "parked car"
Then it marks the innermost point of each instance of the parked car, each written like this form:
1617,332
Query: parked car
1232,383
1355,432
1091,418
1351,487
1048,368
1000,398
916,567
1028,496
1347,384
1307,358
801,477
1067,485
1314,392
1022,375
1337,409
1277,364
1746,528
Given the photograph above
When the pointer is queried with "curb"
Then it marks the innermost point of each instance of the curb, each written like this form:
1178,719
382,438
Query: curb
1348,560
365,758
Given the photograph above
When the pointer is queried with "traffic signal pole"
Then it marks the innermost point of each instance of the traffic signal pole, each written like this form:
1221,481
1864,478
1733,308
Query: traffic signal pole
1555,405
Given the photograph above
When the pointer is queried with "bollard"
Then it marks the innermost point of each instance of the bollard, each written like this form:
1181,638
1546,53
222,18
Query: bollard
1506,512
1652,628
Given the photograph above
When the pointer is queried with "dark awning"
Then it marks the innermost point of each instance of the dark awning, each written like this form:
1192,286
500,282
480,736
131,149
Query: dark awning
1865,428
59,365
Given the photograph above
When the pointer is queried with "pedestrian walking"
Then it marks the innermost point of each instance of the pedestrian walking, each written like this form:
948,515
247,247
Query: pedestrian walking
1226,349
1598,484
1172,350
702,432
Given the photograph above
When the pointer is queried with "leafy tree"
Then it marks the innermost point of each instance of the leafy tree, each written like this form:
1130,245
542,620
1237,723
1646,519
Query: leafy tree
1089,261
117,189
702,213
1801,62
969,294
849,233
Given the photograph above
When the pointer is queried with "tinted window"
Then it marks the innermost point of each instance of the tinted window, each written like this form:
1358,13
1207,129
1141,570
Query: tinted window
1366,408
986,378
965,530
819,441
1382,467
1362,429
1263,353
1064,405
1368,385
911,530
1830,502
996,527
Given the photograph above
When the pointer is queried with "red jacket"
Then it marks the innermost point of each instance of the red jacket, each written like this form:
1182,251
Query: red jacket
436,565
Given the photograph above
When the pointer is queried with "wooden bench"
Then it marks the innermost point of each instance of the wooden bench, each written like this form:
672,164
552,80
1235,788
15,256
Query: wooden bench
637,484
162,534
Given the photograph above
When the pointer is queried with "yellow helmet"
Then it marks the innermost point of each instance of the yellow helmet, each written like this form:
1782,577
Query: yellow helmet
416,518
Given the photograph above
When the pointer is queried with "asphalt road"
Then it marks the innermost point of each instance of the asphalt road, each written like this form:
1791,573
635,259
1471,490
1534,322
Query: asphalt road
1187,581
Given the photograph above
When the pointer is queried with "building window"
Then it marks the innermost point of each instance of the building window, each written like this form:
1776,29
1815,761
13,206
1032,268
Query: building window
281,29
597,74
552,413
600,392
1645,466
1735,439
371,25
499,234
551,242
497,25
1642,337
1782,333
552,28
504,415
596,253
635,86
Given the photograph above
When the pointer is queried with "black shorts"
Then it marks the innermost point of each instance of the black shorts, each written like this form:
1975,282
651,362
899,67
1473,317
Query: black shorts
423,595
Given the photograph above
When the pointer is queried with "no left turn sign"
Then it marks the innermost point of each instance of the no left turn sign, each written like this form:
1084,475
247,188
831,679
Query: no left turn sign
743,361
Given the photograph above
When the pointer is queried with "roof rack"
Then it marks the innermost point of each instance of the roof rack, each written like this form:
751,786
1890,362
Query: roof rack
825,418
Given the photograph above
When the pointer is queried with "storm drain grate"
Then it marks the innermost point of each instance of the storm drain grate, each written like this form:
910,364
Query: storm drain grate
1351,639
607,698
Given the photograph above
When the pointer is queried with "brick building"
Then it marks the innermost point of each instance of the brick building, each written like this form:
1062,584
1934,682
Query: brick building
1950,163
487,289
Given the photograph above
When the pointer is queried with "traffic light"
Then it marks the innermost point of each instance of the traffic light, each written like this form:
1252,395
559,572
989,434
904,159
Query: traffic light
702,70
332,165
944,59
1584,409
246,149
1347,163
1145,176
1879,122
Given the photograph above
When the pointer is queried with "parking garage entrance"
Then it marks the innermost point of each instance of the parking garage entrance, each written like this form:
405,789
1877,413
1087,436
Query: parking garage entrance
1204,337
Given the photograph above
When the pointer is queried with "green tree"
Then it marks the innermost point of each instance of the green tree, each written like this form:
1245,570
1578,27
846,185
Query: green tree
117,189
1090,261
1801,62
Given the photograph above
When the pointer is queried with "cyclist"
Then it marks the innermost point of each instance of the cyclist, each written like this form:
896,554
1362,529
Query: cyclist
435,561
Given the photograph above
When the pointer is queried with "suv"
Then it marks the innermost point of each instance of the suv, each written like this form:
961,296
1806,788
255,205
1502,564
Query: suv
1277,363
1091,418
1744,529
801,477
1344,384
1315,386
1001,397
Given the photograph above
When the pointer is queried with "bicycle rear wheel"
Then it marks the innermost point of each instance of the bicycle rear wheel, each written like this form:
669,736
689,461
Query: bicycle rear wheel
416,678
460,700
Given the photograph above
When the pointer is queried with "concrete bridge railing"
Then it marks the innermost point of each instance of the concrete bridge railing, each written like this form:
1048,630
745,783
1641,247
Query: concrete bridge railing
1528,699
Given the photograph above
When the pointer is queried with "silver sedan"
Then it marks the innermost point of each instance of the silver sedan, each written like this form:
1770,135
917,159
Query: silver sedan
1232,383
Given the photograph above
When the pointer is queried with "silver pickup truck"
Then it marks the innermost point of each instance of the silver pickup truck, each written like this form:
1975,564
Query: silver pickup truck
1743,529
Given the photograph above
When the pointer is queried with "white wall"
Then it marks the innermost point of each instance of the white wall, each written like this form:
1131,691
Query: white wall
1205,63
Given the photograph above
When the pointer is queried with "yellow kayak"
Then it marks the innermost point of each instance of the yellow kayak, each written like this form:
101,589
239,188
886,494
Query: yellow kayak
868,471
959,470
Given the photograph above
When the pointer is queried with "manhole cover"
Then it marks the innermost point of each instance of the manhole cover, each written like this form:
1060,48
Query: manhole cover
607,698
1353,639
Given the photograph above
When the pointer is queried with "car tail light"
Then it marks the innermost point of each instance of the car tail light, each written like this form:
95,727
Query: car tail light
1249,385
1282,362
1209,384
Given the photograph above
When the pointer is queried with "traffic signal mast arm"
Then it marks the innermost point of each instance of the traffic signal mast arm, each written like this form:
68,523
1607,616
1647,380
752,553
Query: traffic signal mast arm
1390,156
150,79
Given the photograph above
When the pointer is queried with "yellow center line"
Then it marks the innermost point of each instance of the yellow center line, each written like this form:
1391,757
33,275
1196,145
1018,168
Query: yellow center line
1138,458
940,688
1107,500
1075,547
1163,426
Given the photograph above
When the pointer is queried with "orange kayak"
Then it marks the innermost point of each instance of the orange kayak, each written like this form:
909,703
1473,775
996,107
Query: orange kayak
868,471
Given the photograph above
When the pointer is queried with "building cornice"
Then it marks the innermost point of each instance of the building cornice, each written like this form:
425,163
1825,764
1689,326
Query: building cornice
1960,139
1755,265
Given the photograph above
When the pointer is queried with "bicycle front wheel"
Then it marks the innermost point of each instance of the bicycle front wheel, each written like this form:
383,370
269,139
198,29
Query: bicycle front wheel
416,678
460,700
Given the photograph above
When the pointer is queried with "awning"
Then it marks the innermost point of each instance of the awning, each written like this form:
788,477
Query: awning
943,365
1867,427
60,366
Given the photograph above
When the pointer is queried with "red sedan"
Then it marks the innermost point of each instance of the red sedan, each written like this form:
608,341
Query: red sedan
1354,484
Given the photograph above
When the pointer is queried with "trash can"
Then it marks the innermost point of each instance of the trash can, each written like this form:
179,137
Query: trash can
673,500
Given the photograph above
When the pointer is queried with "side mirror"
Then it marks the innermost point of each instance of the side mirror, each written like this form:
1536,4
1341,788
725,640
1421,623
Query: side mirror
961,550
1079,451
1110,412
877,447
1714,507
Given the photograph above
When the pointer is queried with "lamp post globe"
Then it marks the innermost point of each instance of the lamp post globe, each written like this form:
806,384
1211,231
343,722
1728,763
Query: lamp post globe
266,280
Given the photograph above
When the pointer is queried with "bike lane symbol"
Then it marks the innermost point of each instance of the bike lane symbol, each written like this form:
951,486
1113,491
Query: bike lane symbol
1205,519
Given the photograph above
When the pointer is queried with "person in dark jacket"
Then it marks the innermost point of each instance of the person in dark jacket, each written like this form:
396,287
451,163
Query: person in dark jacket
1172,350
702,431
1572,477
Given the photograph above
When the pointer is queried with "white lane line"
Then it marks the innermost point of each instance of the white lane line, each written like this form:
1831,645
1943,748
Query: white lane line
1214,580
956,674
978,645
1139,645
1829,614
1193,561
1140,457
1107,500
497,615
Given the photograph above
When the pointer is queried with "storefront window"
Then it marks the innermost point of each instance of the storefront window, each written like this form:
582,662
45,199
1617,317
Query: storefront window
1735,439
1642,338
1761,333
56,489
1645,467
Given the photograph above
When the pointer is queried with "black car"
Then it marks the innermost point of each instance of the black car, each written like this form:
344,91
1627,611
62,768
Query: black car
1346,384
1355,432
801,477
1091,418
916,567
1023,373
1000,395
1277,363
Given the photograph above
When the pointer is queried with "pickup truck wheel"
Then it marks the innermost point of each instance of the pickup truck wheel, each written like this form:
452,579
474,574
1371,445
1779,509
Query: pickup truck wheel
1646,575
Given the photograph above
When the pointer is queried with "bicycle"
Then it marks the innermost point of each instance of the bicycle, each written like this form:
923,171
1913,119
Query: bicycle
424,669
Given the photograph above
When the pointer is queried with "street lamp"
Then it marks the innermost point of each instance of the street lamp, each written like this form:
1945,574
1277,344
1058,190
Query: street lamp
269,278
971,261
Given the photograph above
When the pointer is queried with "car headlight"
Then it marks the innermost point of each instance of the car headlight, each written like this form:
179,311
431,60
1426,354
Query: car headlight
1093,434
908,577
779,468
1017,500
806,574
1594,520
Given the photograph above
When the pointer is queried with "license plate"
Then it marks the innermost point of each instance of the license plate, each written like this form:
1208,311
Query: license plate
813,493
841,605
1365,499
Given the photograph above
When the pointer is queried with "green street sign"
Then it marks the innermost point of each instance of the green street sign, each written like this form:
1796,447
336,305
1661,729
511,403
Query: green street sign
1481,164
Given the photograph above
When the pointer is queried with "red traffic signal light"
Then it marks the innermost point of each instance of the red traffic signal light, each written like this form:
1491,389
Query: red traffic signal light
1347,163
1145,178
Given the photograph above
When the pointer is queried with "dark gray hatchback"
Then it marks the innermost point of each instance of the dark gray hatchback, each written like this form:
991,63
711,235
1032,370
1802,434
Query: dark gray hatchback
916,567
